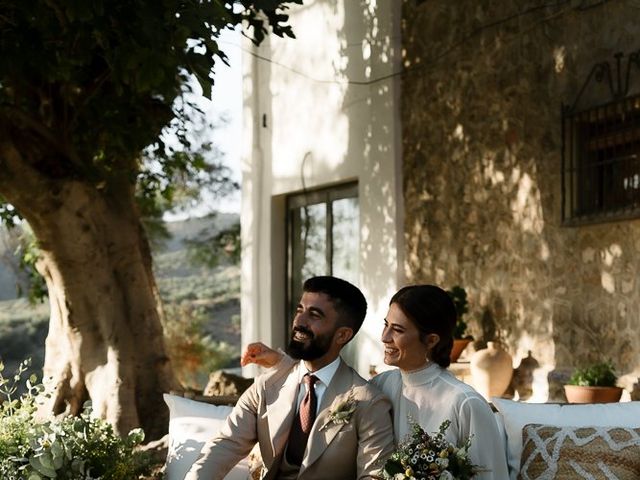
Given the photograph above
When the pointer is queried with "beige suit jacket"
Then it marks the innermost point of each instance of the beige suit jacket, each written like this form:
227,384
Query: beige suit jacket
265,412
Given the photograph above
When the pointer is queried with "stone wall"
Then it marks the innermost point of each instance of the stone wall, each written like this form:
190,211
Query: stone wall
481,102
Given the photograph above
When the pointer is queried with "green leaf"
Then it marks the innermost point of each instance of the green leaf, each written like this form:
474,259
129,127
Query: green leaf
459,297
58,455
595,375
36,463
46,459
393,467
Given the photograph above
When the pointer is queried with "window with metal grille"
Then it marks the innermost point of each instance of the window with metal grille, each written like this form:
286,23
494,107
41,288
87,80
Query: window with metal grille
601,163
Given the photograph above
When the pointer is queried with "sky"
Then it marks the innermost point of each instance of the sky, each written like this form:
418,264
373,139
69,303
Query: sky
226,99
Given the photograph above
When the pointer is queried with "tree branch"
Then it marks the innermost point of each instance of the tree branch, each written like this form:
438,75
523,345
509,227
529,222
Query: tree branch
89,94
59,13
18,116
18,180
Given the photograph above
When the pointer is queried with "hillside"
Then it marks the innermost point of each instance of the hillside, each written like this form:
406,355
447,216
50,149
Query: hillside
11,276
197,299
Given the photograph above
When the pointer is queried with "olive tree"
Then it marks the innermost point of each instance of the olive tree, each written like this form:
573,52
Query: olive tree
87,89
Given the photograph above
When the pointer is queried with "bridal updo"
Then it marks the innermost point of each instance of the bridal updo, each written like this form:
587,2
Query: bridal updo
432,311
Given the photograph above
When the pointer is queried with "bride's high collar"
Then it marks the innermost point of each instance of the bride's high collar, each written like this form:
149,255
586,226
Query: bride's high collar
420,376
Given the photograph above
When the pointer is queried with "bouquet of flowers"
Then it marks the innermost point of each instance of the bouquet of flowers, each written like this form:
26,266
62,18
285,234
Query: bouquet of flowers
429,457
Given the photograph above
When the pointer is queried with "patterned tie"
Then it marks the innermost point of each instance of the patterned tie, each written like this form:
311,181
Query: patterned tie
303,422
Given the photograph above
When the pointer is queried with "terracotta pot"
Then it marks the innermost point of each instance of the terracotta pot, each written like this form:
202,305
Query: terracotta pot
579,394
491,370
459,344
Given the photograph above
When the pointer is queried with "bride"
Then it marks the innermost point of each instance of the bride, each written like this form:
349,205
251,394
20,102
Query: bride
417,338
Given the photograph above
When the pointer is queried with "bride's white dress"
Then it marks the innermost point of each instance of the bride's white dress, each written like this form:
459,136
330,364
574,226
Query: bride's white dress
433,394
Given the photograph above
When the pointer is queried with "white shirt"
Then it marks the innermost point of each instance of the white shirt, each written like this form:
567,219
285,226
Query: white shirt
433,394
324,376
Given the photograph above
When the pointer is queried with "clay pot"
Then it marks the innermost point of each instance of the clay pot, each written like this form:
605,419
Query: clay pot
580,394
491,370
459,344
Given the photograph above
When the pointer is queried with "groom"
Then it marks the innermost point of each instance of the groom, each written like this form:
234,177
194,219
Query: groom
317,419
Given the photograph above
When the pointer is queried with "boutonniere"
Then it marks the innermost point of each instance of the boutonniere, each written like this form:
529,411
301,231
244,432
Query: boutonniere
342,412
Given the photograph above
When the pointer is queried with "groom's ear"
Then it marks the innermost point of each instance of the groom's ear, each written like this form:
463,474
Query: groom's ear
343,335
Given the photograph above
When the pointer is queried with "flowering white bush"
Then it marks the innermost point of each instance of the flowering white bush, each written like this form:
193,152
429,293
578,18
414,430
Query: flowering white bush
429,457
66,448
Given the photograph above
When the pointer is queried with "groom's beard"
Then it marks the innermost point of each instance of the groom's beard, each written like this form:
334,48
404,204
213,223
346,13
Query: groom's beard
311,349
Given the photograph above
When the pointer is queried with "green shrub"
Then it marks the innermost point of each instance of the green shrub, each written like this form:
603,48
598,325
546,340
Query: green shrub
65,448
596,375
194,354
459,297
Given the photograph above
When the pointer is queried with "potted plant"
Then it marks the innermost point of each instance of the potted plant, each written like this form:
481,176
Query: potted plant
595,383
460,340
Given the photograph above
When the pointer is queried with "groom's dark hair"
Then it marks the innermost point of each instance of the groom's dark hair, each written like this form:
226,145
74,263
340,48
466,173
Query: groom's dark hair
347,299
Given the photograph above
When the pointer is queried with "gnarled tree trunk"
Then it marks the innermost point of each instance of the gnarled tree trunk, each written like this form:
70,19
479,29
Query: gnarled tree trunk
105,339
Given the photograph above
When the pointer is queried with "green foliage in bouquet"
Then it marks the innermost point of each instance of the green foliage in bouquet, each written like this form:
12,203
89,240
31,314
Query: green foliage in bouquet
64,448
596,375
429,456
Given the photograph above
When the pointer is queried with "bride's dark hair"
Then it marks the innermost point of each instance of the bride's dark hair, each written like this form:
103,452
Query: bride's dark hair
432,311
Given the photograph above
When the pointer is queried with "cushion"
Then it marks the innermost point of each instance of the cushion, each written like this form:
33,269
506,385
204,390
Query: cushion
191,424
515,415
580,452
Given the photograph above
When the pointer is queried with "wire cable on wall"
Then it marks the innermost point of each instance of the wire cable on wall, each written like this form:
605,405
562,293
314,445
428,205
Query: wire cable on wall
567,4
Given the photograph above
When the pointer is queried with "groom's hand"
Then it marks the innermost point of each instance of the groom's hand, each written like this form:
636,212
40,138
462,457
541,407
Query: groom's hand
260,354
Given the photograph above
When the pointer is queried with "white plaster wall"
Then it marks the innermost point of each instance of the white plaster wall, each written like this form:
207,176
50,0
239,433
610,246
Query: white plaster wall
324,110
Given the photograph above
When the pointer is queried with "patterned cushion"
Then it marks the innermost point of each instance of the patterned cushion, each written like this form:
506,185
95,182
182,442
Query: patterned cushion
515,415
580,452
